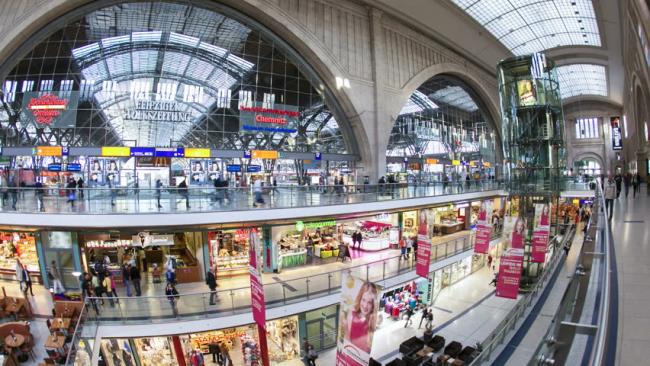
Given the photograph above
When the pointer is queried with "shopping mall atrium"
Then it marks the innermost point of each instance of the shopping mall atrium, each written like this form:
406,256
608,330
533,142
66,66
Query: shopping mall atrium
324,182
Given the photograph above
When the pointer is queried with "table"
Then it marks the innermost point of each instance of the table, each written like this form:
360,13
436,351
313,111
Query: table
55,342
14,341
14,307
62,324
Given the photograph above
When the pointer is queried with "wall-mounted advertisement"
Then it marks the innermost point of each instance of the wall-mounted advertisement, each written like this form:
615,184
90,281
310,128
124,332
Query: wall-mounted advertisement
197,172
112,171
519,233
280,118
358,321
617,137
526,93
54,109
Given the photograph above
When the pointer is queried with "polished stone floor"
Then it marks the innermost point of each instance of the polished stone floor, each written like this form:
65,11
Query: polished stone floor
631,232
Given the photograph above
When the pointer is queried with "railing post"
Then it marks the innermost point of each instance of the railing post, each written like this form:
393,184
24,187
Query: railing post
367,272
307,288
329,282
383,274
232,301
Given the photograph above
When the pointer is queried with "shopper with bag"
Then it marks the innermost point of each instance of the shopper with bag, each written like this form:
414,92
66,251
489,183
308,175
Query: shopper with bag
211,281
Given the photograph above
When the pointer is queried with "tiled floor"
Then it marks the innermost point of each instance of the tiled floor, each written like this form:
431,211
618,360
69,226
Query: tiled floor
631,232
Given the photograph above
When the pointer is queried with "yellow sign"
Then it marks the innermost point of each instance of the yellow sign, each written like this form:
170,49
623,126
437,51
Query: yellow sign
264,154
486,164
48,150
472,163
197,153
116,151
432,161
455,162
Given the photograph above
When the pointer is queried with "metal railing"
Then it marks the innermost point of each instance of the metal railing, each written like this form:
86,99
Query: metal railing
578,332
500,334
196,305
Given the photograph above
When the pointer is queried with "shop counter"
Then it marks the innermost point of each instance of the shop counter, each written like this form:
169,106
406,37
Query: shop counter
293,259
446,229
319,251
188,274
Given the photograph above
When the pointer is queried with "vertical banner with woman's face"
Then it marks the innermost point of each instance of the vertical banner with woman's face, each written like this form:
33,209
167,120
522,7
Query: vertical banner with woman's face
424,246
483,228
518,233
510,266
357,321
541,233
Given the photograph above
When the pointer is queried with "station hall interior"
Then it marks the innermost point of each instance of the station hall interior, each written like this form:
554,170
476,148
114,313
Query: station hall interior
324,182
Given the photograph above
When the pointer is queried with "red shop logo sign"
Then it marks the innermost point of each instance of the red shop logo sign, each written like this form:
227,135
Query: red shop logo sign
46,108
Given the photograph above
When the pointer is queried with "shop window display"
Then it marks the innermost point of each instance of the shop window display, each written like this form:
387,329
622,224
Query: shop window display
18,246
292,241
393,303
117,352
229,251
375,235
447,220
409,224
155,351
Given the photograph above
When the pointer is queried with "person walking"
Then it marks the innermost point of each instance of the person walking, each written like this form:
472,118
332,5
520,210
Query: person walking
429,323
495,279
489,261
80,187
87,291
71,192
40,192
566,249
211,281
98,287
638,182
55,277
610,195
13,191
311,356
158,192
196,358
183,190
635,185
107,284
409,314
627,182
425,312
111,189
402,248
257,192
26,279
409,247
4,188
618,178
126,278
135,278
415,249
306,346
172,296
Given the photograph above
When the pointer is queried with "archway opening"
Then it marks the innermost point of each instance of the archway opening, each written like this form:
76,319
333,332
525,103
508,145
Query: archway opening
444,128
587,166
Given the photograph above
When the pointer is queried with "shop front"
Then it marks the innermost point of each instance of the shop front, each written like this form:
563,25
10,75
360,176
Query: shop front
395,301
449,219
18,246
228,251
240,343
148,251
378,232
409,224
292,242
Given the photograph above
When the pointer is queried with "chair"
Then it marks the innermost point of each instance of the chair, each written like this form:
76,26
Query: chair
49,361
28,346
411,345
453,349
467,354
436,343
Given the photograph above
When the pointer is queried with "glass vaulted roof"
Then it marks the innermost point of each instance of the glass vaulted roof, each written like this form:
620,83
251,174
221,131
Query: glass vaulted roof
582,79
528,26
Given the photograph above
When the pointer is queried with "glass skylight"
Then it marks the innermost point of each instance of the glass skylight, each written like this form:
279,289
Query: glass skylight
582,79
527,26
455,96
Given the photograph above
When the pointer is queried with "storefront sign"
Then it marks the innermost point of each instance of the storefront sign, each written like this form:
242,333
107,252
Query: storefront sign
617,139
359,302
300,226
157,110
432,161
116,151
52,109
197,153
264,154
48,150
144,240
455,162
510,266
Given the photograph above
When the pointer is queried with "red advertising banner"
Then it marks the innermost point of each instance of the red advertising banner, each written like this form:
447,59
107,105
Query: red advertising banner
257,294
510,266
424,247
539,245
483,235
518,234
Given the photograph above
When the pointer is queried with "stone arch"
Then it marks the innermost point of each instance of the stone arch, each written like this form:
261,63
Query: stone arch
590,155
466,75
40,16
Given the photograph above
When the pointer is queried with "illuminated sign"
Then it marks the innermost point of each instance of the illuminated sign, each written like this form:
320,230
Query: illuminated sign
170,152
116,151
268,129
455,162
48,151
197,153
74,167
253,168
46,108
54,167
318,156
300,226
233,168
277,120
617,139
257,118
486,164
157,110
143,151
264,154
281,112
432,161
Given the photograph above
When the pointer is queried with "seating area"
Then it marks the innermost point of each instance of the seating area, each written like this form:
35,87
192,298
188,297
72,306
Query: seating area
17,342
432,351
65,315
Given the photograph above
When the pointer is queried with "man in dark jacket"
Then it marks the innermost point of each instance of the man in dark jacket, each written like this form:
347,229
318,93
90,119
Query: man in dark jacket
126,278
211,281
135,278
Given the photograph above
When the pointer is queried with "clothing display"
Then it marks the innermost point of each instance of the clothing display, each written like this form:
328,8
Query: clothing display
282,337
155,351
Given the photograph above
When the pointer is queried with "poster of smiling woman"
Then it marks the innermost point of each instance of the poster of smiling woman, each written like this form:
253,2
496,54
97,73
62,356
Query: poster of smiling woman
357,321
